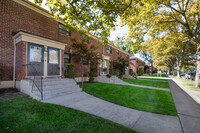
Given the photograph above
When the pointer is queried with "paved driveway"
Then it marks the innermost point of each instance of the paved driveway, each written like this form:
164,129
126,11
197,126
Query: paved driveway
188,109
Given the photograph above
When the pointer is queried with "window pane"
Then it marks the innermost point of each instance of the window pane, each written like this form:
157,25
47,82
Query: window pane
66,55
67,58
53,56
35,54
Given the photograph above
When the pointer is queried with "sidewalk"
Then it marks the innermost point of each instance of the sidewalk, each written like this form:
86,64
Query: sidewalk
188,109
194,94
140,121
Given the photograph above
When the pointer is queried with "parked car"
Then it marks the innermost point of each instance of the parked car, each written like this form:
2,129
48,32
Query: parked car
182,74
188,74
193,74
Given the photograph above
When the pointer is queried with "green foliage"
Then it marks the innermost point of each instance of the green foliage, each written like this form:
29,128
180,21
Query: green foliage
25,115
120,65
140,72
130,71
149,100
113,72
92,74
82,50
70,71
120,43
92,16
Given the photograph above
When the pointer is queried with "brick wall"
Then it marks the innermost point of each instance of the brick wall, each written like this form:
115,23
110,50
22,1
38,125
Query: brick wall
135,63
20,60
17,17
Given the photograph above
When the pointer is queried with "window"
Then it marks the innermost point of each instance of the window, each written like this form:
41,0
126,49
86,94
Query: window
117,51
85,38
53,56
62,30
84,61
35,53
67,58
108,49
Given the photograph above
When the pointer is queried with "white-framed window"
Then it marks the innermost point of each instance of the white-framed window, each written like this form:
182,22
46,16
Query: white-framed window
108,49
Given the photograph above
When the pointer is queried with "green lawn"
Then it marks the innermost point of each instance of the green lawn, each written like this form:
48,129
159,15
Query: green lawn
155,83
27,115
147,78
188,83
156,101
156,75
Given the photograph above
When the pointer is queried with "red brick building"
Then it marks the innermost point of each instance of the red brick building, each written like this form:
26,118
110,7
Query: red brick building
28,37
136,64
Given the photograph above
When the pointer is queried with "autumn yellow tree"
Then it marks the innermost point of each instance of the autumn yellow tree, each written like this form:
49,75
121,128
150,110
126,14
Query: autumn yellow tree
171,50
156,18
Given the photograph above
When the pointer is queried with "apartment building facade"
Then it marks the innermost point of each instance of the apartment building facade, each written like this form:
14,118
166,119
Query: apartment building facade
29,37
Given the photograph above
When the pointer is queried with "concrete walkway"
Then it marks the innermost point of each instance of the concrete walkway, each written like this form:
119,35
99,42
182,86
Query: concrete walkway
150,87
188,109
140,121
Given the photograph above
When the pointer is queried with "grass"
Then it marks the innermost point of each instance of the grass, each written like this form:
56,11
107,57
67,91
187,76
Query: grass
188,83
27,115
199,95
154,76
159,79
147,83
156,101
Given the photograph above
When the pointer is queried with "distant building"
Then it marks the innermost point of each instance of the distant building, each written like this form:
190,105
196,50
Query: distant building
137,64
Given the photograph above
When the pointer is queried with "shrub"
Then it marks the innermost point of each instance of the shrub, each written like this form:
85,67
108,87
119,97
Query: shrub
113,72
109,75
140,72
70,71
130,71
92,74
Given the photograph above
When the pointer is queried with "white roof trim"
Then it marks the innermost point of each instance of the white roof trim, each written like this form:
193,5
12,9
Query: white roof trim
21,36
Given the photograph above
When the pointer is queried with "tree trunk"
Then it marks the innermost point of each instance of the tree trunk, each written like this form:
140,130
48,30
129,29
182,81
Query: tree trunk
178,72
197,84
151,67
178,67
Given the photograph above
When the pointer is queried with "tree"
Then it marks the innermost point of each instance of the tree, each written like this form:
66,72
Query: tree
85,54
91,16
173,50
148,58
120,43
156,18
120,65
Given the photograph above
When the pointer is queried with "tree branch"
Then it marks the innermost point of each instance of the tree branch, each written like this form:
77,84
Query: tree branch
120,10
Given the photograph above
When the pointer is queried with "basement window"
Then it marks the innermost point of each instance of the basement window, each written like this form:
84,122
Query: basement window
62,30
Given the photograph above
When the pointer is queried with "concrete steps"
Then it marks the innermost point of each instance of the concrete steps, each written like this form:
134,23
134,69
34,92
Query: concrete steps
51,88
